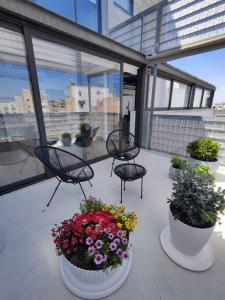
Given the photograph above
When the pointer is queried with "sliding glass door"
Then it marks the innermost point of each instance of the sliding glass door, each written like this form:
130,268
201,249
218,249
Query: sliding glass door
80,96
18,126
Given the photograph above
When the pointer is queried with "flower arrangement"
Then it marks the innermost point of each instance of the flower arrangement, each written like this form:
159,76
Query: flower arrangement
97,237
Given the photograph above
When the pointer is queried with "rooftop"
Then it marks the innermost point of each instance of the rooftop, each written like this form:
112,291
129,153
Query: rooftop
29,266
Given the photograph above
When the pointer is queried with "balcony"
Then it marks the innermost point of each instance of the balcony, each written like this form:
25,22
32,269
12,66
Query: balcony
29,266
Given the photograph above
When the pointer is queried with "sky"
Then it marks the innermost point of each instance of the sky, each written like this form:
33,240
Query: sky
209,66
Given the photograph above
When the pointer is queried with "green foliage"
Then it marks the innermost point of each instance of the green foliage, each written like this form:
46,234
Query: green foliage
194,201
66,135
204,149
91,204
179,163
205,169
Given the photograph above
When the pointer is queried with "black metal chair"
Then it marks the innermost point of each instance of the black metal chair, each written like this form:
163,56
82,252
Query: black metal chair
65,166
122,145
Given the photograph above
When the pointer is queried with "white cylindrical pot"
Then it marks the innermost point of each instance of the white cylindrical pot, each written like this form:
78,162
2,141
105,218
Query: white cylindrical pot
213,165
187,239
94,284
90,277
174,173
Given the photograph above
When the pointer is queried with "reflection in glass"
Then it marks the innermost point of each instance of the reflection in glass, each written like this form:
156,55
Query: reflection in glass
197,97
80,95
65,9
206,98
162,92
89,20
180,95
18,129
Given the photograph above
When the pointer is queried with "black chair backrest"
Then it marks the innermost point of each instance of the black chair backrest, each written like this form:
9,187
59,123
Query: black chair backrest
59,161
119,142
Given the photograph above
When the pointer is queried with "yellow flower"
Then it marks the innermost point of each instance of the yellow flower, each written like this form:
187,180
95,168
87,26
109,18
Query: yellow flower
124,218
124,233
112,211
119,225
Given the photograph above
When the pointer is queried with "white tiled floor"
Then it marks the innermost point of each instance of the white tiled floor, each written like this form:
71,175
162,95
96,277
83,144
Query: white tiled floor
29,266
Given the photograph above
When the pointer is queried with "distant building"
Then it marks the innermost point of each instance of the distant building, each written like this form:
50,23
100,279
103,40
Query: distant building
24,103
7,107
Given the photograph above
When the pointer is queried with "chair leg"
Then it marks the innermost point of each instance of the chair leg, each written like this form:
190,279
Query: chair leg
90,183
141,186
82,191
21,170
124,185
121,192
54,193
112,166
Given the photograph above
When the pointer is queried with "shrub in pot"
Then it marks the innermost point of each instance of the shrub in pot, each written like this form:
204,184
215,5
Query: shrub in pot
195,207
66,139
178,164
205,150
94,246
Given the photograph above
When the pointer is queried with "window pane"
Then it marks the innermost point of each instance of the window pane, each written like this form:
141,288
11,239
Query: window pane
80,96
206,98
65,9
197,97
162,92
18,129
180,95
126,5
87,13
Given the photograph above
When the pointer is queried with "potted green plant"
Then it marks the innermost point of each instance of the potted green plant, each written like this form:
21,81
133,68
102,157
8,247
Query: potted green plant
178,164
94,247
195,207
205,150
66,139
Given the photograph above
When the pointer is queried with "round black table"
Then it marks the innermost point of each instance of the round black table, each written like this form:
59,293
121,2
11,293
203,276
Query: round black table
130,172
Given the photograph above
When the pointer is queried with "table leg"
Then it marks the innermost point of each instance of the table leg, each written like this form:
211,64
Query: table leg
121,199
141,186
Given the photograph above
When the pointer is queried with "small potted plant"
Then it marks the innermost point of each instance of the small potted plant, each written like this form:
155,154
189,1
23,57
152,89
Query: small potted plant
94,248
195,207
178,164
205,150
66,139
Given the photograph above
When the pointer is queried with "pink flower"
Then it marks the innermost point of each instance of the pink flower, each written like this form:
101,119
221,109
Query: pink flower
125,255
119,233
98,259
89,241
98,244
113,246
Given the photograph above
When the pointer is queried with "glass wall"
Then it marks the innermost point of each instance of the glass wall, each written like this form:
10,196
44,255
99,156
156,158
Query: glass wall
197,97
206,98
80,96
84,12
162,93
18,127
180,95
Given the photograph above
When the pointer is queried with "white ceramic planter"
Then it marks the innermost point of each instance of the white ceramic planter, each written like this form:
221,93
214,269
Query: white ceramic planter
214,166
93,284
174,173
187,239
187,245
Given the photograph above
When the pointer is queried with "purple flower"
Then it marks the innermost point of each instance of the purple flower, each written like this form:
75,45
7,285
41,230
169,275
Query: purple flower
91,250
125,255
89,241
111,236
119,252
119,233
98,244
113,246
98,259
117,241
105,258
124,240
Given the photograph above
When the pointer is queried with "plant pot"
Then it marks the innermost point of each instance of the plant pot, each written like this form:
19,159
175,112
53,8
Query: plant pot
213,165
187,245
66,142
174,173
94,284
